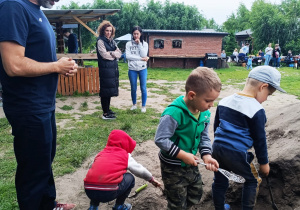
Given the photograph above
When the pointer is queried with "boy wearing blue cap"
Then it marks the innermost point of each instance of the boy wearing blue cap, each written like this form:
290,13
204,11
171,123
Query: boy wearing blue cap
240,125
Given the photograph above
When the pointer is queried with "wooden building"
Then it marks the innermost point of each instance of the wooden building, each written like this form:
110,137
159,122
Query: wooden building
58,18
181,48
245,37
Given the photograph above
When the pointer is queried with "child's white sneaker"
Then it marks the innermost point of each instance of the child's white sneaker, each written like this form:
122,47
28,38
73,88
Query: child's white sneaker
133,107
143,110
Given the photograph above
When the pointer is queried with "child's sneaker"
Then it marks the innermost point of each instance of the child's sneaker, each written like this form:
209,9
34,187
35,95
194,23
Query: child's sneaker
143,110
133,107
66,206
125,206
92,207
226,206
108,117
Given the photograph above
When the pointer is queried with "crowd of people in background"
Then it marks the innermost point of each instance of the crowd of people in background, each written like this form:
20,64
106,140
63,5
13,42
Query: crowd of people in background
270,56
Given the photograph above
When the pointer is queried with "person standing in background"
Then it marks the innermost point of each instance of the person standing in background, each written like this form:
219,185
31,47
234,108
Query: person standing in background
108,54
276,56
268,55
136,55
29,75
246,49
72,41
223,54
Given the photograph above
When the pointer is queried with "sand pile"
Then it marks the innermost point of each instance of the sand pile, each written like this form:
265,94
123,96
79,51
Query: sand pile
283,113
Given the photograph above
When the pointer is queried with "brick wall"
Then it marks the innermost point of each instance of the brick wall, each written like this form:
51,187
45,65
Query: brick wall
192,45
174,62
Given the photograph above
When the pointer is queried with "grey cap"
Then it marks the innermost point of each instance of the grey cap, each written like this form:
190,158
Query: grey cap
267,74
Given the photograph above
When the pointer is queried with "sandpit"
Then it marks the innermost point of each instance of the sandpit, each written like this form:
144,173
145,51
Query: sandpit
283,113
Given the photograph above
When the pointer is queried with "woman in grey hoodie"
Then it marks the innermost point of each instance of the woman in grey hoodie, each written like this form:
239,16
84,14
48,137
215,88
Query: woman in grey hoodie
136,55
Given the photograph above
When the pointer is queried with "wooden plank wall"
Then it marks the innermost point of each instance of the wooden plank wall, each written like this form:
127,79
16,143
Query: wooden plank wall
85,80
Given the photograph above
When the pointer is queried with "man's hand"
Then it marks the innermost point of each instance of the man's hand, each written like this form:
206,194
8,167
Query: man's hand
211,164
66,66
264,169
187,158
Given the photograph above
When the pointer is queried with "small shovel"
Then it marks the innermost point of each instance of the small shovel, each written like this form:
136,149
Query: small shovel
271,194
137,191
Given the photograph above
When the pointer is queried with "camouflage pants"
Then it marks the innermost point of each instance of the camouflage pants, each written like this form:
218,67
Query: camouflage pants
183,186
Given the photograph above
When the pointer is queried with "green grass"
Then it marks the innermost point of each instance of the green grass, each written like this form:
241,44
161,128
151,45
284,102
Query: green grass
84,106
66,107
234,75
85,137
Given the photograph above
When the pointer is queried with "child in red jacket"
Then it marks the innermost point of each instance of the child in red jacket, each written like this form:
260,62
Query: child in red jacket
107,179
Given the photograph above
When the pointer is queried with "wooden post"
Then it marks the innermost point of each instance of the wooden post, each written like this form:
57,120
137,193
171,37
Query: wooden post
82,79
60,38
75,83
78,80
63,88
97,80
79,37
94,80
86,85
59,84
80,61
71,86
90,81
67,85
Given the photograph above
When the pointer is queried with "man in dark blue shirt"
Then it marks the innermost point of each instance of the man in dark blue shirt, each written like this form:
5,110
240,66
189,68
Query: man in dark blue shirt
29,73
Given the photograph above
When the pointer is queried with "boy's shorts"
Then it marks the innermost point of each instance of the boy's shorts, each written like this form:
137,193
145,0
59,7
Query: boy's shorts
183,185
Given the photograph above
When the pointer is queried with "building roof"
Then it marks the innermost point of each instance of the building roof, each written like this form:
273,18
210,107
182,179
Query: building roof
126,37
85,15
204,31
67,26
244,33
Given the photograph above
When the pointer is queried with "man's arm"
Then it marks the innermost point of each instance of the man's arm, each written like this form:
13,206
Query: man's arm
16,64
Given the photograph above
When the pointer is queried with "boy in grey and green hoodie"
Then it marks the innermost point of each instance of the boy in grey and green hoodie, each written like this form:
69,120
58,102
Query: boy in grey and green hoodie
182,130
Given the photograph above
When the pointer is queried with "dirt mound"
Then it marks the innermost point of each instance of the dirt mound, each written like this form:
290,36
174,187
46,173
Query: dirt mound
283,136
284,155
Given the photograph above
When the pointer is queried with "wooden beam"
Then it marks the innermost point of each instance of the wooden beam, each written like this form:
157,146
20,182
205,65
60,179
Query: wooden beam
90,56
79,37
84,25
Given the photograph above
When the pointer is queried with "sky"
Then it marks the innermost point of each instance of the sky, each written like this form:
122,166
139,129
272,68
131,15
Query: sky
220,10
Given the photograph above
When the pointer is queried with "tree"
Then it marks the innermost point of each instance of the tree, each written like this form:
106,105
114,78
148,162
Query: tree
229,42
270,24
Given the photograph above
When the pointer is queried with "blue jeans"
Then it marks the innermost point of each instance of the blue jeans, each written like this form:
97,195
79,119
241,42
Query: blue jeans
249,66
35,147
97,196
239,163
143,84
124,57
267,59
276,62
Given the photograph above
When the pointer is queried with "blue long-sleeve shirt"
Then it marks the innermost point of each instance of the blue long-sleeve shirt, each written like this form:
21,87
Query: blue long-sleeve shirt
240,123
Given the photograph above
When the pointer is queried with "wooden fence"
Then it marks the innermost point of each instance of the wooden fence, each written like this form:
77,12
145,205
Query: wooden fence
85,80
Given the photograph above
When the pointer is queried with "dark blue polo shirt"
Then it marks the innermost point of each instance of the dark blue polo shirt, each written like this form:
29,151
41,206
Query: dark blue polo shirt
25,23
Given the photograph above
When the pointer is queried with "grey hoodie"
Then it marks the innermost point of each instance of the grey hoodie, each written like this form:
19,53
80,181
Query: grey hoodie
135,53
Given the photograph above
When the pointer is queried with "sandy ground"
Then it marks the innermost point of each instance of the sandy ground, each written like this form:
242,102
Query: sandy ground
283,113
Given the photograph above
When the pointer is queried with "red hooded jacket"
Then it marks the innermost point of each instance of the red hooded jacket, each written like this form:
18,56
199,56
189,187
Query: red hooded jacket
111,163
